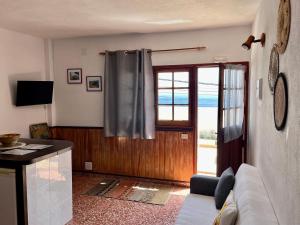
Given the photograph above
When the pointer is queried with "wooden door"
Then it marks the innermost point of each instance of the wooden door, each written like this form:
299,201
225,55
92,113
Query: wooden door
233,153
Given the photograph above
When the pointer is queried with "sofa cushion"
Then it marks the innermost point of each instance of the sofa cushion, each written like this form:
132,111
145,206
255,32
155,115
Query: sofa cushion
197,210
228,213
224,186
203,185
254,206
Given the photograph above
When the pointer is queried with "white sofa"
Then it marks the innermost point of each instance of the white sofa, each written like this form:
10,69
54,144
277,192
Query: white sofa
254,207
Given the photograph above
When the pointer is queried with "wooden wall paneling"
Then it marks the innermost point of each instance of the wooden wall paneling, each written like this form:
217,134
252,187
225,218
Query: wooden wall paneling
113,149
121,160
79,153
89,145
124,155
78,137
169,155
96,145
146,157
93,148
152,163
102,158
155,157
134,157
160,146
52,132
137,158
187,150
180,154
110,144
166,157
179,168
118,154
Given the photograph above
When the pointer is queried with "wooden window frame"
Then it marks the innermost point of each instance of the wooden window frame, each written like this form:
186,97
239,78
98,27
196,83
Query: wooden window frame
193,68
173,124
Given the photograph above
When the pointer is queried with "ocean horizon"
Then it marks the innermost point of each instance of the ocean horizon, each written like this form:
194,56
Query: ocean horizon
203,100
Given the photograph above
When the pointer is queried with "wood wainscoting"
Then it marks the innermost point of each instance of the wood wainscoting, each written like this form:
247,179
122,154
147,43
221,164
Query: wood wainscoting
167,157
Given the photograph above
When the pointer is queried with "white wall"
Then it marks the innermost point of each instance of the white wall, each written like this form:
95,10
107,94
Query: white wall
21,58
275,153
76,107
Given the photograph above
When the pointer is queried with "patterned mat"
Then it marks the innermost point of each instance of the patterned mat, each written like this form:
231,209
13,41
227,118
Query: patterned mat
130,190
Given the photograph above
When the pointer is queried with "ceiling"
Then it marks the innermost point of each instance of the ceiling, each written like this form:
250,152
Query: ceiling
74,18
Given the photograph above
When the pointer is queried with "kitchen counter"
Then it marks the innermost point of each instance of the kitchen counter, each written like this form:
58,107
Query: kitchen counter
58,147
36,188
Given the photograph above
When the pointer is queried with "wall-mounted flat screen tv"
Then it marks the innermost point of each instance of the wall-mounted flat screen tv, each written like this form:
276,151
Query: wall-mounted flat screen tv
34,92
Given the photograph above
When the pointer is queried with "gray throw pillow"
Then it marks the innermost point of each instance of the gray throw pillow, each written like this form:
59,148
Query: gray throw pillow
224,186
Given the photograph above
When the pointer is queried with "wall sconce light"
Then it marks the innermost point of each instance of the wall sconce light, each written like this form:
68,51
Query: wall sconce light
251,39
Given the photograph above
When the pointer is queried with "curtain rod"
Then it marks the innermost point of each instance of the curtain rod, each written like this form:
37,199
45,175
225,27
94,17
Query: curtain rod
166,50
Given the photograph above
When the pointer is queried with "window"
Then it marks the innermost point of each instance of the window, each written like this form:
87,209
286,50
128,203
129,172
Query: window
173,97
233,96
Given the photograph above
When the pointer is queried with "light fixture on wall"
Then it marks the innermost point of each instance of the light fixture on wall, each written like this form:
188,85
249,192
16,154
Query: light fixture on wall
251,39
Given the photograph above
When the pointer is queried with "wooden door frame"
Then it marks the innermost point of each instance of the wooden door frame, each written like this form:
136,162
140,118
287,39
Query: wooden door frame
194,99
220,103
220,111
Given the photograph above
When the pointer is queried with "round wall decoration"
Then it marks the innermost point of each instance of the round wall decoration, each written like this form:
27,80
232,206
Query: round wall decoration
273,68
280,102
283,25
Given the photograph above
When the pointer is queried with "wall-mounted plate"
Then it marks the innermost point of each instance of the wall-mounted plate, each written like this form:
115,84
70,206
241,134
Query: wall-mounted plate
280,102
283,25
273,68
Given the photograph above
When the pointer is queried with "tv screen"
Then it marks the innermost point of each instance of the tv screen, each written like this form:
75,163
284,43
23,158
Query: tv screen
34,92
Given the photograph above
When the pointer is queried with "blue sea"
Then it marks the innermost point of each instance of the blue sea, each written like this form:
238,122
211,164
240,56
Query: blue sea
207,101
203,100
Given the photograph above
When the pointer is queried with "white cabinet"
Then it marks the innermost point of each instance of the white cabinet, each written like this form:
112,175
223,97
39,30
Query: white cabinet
49,190
8,200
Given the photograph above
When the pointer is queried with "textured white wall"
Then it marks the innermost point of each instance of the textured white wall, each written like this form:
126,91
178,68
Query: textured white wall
76,107
22,57
277,154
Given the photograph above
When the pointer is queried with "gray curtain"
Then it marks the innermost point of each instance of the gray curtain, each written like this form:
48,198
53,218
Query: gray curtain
129,95
234,76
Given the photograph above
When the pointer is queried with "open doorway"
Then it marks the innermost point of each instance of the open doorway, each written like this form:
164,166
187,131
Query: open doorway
207,113
214,95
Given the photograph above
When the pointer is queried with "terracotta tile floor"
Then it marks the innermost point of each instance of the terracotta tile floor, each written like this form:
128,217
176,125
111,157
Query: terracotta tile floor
94,210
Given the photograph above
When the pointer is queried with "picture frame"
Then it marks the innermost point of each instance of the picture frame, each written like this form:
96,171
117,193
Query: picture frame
74,76
273,68
283,25
94,83
280,102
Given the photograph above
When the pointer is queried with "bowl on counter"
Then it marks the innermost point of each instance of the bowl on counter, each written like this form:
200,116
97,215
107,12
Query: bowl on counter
9,139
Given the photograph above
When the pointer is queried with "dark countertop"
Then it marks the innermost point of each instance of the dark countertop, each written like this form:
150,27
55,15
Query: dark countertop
59,146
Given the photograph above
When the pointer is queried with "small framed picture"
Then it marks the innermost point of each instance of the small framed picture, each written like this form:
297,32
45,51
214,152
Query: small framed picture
74,76
94,83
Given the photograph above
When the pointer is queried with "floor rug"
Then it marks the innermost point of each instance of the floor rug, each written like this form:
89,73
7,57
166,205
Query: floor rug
130,190
103,187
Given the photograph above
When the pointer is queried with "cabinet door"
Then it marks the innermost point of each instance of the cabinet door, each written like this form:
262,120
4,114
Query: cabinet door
49,190
38,198
8,203
61,189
